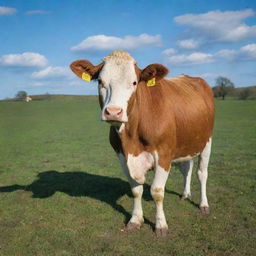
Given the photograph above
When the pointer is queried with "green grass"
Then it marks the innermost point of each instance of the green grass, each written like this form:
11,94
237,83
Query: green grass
62,191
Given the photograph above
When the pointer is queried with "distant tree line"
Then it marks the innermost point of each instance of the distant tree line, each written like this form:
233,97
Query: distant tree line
225,87
21,96
245,93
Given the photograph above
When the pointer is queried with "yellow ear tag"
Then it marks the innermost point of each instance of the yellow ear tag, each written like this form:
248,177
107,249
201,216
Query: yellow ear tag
151,82
86,77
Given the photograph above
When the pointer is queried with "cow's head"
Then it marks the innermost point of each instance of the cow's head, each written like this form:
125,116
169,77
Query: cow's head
118,78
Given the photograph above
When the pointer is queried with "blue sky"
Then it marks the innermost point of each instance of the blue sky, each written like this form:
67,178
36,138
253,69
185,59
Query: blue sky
39,39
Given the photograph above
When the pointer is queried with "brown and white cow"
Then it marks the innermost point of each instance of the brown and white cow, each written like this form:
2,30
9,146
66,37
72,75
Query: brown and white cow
28,99
155,121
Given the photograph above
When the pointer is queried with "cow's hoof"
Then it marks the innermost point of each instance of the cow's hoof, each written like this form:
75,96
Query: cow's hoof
205,210
132,226
161,232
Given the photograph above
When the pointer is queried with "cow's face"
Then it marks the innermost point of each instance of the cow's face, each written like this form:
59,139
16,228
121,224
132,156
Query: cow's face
118,78
117,82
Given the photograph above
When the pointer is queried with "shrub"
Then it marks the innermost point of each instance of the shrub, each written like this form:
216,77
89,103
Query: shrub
244,94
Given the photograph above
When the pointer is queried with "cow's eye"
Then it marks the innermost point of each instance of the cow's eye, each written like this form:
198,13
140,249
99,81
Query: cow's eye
101,84
134,83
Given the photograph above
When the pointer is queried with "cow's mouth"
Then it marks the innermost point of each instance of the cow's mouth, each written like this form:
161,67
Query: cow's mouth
115,122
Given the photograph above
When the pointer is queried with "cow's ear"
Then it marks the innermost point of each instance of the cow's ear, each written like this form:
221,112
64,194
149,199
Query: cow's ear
157,71
84,68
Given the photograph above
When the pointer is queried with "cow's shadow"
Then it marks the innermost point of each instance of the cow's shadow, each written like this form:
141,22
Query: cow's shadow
77,184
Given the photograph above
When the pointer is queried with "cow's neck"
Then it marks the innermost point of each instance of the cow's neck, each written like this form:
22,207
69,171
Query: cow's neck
130,129
138,113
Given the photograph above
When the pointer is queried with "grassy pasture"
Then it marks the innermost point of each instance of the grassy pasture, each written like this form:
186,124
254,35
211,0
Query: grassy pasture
62,191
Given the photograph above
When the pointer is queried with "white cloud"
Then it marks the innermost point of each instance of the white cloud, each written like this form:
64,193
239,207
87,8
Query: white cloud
248,52
245,53
7,11
188,44
26,59
169,51
102,42
195,58
52,72
226,54
213,18
242,32
32,12
217,26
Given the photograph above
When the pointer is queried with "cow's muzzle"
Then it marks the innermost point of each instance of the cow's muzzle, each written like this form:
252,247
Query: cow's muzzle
113,114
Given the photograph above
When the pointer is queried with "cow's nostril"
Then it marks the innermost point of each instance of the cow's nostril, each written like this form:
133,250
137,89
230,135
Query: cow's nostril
107,112
120,112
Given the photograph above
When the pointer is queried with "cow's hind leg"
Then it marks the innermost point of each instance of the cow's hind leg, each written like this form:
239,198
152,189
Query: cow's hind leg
157,192
137,190
186,169
202,176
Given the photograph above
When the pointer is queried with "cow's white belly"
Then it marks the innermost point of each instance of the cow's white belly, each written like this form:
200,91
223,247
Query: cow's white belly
184,159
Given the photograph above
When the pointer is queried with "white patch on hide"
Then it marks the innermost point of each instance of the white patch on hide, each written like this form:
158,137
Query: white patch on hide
121,127
137,190
157,192
117,76
139,165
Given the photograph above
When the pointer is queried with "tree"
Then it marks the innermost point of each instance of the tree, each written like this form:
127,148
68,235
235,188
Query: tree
21,95
223,86
244,94
216,91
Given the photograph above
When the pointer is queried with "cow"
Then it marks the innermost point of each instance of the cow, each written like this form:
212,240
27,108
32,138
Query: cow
28,99
154,123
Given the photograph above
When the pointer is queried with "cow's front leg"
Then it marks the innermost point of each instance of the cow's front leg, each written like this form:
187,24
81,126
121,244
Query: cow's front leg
137,190
137,214
157,192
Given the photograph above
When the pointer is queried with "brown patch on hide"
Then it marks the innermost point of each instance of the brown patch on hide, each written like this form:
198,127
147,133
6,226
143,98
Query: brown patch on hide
158,71
84,66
